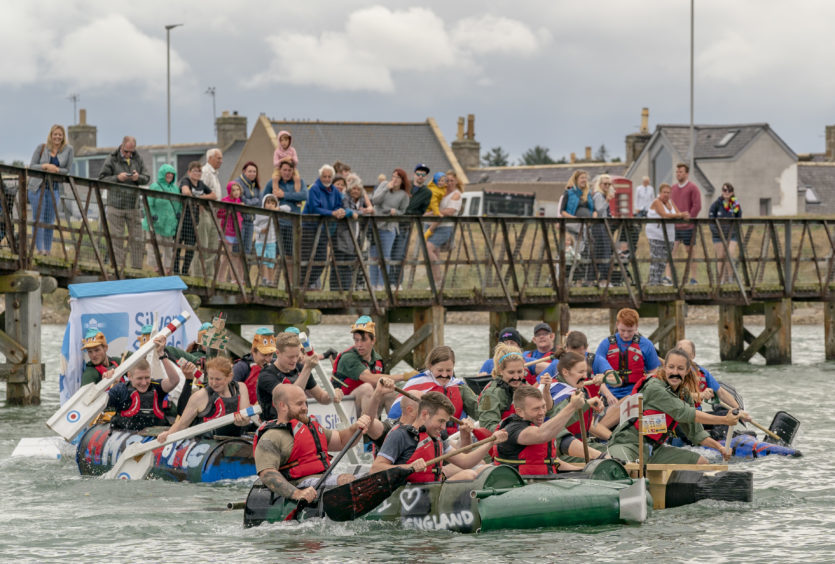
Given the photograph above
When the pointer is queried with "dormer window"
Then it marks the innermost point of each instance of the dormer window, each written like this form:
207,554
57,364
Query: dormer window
727,138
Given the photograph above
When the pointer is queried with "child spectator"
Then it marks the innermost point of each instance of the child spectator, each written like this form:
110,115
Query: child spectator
227,225
285,153
265,240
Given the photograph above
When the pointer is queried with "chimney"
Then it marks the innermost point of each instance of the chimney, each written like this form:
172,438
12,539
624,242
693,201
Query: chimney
230,128
573,158
465,148
588,153
635,142
830,142
82,135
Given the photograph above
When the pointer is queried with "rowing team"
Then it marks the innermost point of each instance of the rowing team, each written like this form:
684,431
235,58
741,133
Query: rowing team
536,432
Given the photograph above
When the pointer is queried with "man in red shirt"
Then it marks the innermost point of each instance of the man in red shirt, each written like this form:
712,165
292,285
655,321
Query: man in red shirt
688,198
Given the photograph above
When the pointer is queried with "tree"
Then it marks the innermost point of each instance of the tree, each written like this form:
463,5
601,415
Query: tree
495,157
562,160
601,154
537,156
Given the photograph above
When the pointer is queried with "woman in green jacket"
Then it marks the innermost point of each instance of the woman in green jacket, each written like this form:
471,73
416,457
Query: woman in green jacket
165,213
669,394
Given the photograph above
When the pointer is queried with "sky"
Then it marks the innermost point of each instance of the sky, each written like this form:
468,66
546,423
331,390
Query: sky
557,73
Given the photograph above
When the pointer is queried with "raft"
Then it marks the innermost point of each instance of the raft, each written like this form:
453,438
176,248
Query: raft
190,460
498,499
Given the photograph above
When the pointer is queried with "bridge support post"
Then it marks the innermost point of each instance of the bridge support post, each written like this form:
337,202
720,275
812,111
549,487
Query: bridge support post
778,349
829,329
670,325
434,317
731,332
21,342
383,344
498,321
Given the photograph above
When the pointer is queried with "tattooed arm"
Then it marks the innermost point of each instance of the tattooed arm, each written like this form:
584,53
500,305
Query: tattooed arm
279,485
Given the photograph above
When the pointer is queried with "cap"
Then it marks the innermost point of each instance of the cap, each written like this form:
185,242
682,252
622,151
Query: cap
146,329
542,327
510,334
293,330
264,341
93,338
363,325
421,166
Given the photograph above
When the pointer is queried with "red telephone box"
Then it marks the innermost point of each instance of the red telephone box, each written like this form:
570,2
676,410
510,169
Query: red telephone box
621,204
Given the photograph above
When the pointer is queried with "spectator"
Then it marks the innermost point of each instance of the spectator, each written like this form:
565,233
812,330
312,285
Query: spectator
265,240
323,200
341,169
207,236
725,207
54,156
390,198
291,197
230,233
420,196
601,196
191,185
439,235
165,214
250,196
345,255
340,184
688,198
125,166
284,153
661,236
438,188
644,196
577,202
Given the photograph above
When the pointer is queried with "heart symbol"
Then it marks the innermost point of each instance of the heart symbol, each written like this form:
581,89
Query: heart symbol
409,497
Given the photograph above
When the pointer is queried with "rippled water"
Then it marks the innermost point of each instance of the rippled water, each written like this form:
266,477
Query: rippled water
49,513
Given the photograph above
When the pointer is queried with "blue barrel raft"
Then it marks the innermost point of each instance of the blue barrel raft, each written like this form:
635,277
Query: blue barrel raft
189,460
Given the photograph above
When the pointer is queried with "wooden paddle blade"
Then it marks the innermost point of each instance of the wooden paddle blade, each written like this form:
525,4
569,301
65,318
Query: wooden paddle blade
354,500
77,413
134,468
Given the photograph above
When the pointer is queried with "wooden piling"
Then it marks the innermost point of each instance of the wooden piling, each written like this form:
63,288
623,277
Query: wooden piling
22,340
434,317
383,344
498,321
829,329
731,332
778,349
670,325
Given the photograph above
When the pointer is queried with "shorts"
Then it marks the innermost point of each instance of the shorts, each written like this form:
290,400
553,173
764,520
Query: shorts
268,253
684,235
440,235
717,239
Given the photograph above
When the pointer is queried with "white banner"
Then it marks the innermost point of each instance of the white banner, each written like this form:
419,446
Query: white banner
120,316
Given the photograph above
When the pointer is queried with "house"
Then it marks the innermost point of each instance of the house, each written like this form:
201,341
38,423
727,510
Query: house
370,148
752,157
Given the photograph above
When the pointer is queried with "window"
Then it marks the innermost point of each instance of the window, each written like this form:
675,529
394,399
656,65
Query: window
475,204
765,207
727,138
812,196
94,167
79,167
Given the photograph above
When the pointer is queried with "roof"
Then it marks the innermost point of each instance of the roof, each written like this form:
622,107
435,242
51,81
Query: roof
146,150
820,178
369,148
557,174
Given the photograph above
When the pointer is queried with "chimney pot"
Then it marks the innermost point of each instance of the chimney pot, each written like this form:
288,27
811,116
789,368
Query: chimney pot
588,153
225,113
460,135
82,117
573,158
471,126
644,120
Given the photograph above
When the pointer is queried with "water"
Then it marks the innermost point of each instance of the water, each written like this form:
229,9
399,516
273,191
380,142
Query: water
50,513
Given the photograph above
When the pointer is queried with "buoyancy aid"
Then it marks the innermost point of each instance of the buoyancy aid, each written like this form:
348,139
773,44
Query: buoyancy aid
110,364
145,410
529,460
218,406
251,381
629,363
656,438
590,391
427,449
309,455
352,384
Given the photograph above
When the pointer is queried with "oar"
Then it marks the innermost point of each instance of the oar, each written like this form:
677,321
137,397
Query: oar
137,459
91,399
765,430
584,435
729,437
364,494
303,503
326,385
415,399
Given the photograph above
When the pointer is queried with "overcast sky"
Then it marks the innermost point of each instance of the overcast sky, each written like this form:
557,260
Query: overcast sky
558,73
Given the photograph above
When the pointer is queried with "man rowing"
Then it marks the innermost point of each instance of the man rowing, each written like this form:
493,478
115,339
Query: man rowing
411,446
291,452
248,367
632,355
99,364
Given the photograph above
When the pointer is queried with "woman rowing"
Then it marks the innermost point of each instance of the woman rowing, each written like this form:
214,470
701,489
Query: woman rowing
669,394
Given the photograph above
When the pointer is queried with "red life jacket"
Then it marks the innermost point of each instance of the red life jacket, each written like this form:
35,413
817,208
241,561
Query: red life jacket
702,382
656,438
629,363
251,382
309,455
530,377
145,410
454,395
588,415
529,460
352,384
427,449
102,368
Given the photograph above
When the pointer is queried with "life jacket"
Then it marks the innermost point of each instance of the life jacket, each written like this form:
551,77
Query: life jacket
309,455
454,395
427,449
352,384
656,438
529,460
530,377
590,391
702,383
251,381
629,363
145,410
102,368
218,406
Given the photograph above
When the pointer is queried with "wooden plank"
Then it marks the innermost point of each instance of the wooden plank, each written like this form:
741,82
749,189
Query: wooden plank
759,343
19,282
404,350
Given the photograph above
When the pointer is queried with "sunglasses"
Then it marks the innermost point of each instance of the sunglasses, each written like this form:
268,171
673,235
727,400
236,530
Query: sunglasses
420,174
727,190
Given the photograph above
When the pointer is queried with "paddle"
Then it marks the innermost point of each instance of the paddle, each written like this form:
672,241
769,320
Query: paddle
137,459
729,437
415,399
303,503
765,430
91,399
583,434
326,384
364,494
